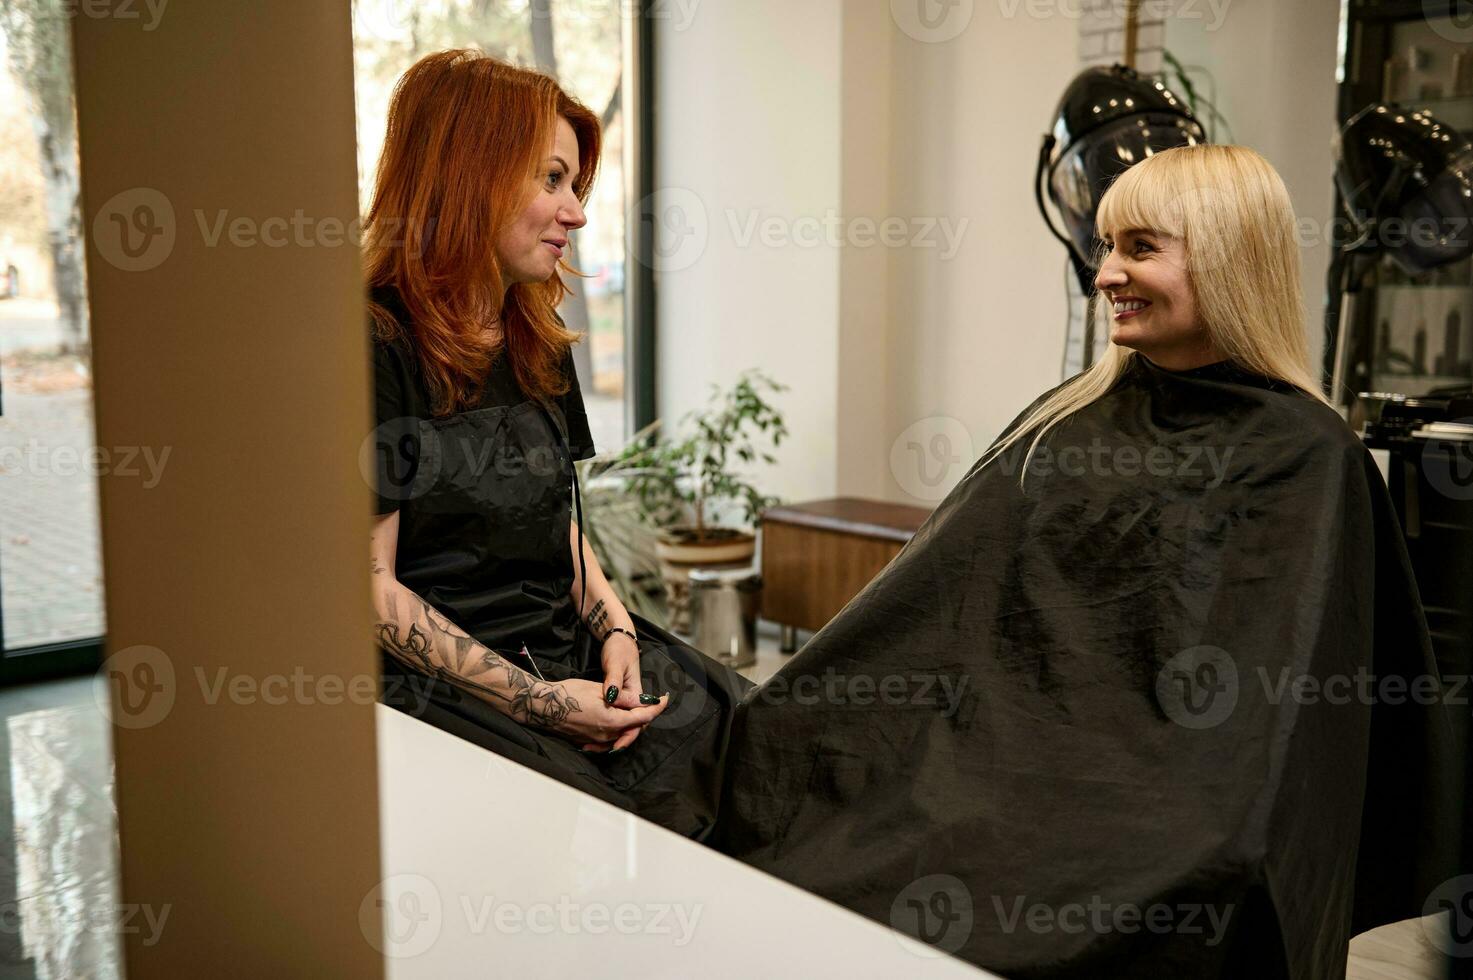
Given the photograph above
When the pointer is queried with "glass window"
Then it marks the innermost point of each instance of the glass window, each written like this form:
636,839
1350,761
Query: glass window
50,559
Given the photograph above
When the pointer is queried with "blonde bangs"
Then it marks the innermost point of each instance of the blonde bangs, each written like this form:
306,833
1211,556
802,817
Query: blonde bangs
1142,197
1231,210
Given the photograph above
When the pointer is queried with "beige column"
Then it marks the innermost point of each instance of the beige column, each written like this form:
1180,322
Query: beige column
217,147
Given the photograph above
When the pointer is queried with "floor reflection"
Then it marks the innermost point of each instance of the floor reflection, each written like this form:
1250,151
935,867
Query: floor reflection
59,911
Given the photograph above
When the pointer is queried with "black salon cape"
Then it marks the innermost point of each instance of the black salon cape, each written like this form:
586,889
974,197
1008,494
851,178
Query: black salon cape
484,498
1114,744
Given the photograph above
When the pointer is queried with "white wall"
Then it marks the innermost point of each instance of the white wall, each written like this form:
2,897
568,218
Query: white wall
747,116
1274,68
906,363
975,338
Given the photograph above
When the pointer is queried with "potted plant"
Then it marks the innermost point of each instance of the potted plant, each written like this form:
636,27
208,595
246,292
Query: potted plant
693,485
619,531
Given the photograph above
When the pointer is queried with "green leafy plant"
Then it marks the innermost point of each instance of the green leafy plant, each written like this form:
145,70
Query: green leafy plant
619,532
683,480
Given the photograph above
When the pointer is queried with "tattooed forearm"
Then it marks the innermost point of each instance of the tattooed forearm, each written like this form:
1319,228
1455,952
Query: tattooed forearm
539,703
413,649
598,620
417,635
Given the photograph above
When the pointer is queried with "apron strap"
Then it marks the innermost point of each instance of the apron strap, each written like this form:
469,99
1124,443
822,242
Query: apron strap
578,507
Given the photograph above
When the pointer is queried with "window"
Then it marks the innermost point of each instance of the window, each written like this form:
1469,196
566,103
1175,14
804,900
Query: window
51,595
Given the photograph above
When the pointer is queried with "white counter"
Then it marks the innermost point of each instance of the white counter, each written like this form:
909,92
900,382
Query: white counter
494,870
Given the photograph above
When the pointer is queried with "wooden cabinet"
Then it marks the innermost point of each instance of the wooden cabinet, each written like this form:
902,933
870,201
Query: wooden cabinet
817,556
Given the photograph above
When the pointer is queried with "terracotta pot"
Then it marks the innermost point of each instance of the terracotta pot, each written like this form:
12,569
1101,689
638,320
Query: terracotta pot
723,546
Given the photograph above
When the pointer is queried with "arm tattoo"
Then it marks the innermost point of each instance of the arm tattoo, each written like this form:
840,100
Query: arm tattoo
421,638
597,620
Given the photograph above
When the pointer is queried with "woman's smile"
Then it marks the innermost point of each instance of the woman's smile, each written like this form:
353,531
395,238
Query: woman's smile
1129,308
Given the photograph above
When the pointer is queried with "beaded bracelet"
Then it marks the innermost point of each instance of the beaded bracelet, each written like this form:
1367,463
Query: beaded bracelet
620,629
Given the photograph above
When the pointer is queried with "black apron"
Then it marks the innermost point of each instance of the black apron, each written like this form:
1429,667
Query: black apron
1057,737
484,538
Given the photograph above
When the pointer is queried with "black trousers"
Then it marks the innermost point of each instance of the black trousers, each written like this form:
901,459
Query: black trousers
670,775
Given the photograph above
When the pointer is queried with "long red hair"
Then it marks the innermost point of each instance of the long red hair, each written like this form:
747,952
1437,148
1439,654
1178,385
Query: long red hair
467,134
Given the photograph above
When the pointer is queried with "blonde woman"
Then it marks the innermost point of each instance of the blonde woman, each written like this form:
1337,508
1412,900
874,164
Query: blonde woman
1108,712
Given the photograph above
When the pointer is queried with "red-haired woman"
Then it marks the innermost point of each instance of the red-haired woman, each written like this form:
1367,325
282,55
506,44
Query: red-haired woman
496,620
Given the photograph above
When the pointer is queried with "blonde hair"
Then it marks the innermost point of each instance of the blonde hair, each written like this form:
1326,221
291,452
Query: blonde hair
1232,212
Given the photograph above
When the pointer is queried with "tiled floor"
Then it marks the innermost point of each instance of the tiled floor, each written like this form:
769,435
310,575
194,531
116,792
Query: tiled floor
59,911
769,659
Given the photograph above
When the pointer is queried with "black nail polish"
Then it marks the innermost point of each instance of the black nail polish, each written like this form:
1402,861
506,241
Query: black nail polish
648,699
611,694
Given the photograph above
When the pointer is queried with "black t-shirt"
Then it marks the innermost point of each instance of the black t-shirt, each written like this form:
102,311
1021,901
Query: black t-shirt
484,498
400,390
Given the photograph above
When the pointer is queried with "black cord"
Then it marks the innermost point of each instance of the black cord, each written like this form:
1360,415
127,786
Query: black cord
578,507
1068,319
582,562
